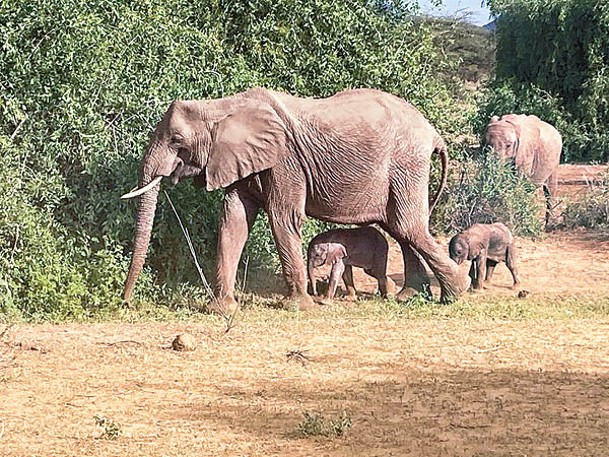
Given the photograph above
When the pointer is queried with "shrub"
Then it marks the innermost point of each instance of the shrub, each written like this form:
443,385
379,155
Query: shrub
316,424
83,82
592,209
485,190
558,49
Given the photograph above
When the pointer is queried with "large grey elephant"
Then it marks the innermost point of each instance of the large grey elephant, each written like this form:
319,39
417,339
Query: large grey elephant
359,157
534,146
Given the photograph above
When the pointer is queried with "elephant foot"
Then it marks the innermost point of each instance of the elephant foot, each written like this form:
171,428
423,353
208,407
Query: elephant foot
302,302
350,297
224,306
451,291
408,292
322,300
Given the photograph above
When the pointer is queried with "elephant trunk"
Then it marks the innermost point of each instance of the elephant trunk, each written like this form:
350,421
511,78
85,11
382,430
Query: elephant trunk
144,221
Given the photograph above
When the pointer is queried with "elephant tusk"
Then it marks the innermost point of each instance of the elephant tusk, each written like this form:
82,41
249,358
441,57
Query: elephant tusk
146,188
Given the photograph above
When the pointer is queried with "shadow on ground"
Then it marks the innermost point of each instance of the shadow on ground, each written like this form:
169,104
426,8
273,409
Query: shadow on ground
463,412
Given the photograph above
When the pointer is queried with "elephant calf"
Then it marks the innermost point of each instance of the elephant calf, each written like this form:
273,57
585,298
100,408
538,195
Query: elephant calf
485,245
363,247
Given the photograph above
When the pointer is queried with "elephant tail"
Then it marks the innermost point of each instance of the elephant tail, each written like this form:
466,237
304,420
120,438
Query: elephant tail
440,149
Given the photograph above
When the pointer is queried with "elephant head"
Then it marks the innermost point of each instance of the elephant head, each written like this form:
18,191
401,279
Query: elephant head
217,142
503,136
458,248
321,254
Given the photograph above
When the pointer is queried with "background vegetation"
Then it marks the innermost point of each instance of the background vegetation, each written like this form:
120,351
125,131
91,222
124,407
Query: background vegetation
82,83
553,61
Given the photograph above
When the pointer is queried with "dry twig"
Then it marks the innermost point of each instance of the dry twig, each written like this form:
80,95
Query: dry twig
298,356
228,318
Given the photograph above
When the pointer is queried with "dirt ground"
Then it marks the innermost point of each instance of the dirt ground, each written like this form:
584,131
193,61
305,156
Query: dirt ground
410,387
562,262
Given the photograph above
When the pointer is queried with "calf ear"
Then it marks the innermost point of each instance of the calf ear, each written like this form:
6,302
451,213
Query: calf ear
336,252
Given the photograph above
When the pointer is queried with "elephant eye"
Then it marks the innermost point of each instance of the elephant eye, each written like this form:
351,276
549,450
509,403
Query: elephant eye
176,140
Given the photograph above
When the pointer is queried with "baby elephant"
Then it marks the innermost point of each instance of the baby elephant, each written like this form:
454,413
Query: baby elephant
485,245
363,247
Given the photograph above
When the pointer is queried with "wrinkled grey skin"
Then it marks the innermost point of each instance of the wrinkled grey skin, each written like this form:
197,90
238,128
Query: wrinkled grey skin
343,249
361,156
485,245
533,145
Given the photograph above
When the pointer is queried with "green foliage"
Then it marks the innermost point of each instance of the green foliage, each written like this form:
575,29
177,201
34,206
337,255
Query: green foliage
556,52
486,191
592,209
110,430
83,82
470,49
316,424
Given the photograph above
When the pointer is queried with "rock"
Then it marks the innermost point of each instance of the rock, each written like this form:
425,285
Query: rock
523,294
184,342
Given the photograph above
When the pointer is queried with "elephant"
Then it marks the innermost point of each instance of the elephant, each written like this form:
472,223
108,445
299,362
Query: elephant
485,245
343,249
361,156
534,146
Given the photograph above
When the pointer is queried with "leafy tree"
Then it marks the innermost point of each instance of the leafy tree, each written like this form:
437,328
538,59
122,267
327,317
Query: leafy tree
82,82
559,49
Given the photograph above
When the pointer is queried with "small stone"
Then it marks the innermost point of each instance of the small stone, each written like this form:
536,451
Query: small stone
184,342
523,294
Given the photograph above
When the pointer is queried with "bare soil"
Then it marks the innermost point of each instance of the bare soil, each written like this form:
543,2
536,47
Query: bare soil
420,387
575,180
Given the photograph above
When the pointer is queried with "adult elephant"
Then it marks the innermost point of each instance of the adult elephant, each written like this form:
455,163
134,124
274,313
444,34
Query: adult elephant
534,146
361,156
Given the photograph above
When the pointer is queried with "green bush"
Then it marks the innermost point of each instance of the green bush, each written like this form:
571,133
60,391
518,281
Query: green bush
579,143
556,51
485,190
592,209
83,82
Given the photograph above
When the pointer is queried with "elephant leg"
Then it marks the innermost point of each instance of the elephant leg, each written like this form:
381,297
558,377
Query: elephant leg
549,189
417,245
349,284
490,269
416,278
379,272
236,220
286,226
313,281
510,262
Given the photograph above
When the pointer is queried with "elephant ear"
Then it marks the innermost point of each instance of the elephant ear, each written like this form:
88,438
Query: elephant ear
250,139
337,251
527,135
474,246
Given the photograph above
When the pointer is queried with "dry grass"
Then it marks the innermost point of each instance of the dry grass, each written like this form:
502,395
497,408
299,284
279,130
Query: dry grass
491,374
419,387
